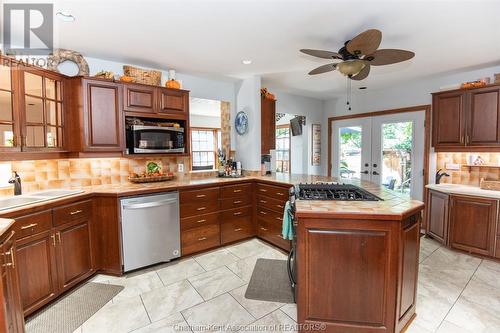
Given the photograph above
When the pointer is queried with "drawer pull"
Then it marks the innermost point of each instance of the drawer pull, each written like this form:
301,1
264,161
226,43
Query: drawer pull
201,208
59,237
202,239
278,218
53,240
201,195
11,254
263,201
237,191
262,190
76,212
237,202
201,221
238,229
263,213
279,193
262,228
280,206
237,213
29,226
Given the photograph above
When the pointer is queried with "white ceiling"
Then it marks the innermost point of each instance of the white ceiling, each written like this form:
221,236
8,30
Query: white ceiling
211,37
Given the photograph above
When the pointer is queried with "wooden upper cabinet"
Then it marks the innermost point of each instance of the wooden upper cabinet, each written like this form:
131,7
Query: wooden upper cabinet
466,120
103,116
448,119
484,117
268,125
473,224
42,110
437,216
172,101
139,98
9,117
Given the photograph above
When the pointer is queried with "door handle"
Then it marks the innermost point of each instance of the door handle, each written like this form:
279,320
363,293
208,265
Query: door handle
151,204
375,173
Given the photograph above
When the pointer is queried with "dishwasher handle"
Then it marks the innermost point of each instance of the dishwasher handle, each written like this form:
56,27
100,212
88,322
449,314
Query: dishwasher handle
151,204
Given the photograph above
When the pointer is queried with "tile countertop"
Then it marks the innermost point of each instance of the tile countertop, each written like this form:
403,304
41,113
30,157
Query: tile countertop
393,207
464,189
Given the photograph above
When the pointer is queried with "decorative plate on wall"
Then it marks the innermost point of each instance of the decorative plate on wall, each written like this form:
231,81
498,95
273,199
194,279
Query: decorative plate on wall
241,122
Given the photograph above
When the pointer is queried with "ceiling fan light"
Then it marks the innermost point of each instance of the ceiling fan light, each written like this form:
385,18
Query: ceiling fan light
351,67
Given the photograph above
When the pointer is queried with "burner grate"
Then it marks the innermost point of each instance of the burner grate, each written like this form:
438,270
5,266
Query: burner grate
341,192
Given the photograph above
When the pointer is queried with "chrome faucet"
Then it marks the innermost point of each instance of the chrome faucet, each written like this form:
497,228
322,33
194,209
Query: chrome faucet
440,174
16,180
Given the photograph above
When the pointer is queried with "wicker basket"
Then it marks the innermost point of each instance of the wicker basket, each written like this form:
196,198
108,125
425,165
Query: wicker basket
489,184
146,76
152,179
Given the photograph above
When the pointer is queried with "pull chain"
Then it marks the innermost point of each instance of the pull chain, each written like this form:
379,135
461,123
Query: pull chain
348,86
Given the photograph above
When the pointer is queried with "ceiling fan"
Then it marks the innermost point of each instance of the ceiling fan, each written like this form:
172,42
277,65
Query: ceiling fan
358,54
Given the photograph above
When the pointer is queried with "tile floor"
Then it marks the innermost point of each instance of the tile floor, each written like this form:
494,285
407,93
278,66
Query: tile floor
457,293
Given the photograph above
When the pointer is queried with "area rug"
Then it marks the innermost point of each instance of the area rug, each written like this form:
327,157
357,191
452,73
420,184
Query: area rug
270,282
73,309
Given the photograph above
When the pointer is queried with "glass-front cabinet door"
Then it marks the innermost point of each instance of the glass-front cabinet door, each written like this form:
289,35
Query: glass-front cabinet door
9,124
43,111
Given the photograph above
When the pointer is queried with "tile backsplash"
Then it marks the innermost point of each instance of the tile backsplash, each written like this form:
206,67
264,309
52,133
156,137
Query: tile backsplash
469,175
47,174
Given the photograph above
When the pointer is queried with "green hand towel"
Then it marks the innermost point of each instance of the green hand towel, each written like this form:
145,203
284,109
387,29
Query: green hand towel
287,231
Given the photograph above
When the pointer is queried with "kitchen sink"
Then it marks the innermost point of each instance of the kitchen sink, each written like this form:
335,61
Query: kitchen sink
23,200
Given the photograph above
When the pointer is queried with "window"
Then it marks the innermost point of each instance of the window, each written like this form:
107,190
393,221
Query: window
204,145
283,148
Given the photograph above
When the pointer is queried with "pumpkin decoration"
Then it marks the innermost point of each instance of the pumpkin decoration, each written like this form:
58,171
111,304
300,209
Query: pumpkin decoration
172,82
125,78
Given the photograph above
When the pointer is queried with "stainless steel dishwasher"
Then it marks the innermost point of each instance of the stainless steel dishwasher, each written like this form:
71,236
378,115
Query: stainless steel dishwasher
150,230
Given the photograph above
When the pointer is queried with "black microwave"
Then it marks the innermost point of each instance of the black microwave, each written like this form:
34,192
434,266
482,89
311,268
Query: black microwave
142,139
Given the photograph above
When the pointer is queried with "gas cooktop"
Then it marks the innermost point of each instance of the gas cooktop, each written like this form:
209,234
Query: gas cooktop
334,191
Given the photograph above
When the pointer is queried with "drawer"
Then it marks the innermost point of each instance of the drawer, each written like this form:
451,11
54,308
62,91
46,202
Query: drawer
200,239
236,190
277,192
203,195
235,230
196,208
199,221
32,224
270,216
272,234
272,204
77,211
231,203
229,215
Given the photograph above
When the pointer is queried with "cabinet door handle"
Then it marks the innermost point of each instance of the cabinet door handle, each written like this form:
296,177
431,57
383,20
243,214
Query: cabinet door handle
263,213
29,226
263,201
237,202
237,191
280,206
202,239
278,218
53,240
262,228
59,237
279,193
11,254
76,212
238,229
201,208
237,213
201,221
201,195
262,190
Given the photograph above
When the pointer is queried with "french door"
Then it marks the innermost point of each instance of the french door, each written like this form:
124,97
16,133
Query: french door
387,150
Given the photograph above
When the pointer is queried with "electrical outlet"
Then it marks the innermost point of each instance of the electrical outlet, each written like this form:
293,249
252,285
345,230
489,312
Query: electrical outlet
452,166
180,167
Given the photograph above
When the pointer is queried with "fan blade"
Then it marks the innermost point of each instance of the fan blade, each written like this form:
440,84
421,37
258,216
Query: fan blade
389,56
365,43
323,69
362,74
322,54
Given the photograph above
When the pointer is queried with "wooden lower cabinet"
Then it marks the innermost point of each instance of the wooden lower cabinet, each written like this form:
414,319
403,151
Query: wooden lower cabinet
367,281
199,239
11,315
473,224
74,261
437,216
36,265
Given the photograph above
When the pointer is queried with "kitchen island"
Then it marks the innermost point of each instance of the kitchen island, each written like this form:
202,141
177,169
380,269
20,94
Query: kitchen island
357,263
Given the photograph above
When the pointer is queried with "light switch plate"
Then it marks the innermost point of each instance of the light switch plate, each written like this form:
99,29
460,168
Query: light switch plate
180,167
452,166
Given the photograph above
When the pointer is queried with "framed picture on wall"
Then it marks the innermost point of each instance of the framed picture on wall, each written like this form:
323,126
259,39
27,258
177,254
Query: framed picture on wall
316,144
